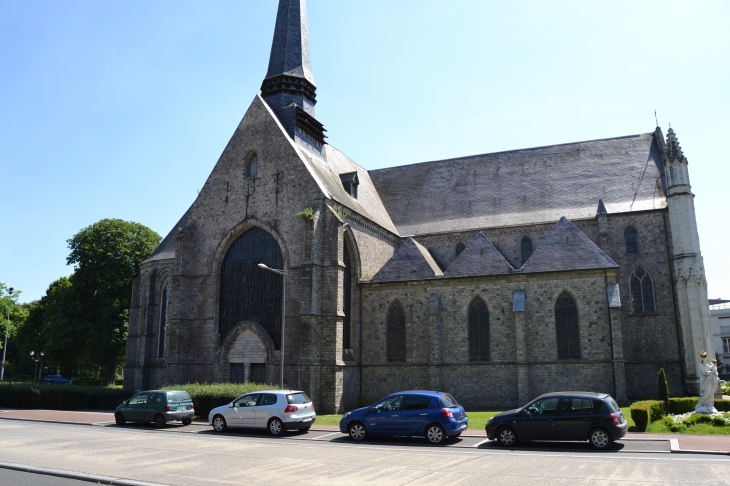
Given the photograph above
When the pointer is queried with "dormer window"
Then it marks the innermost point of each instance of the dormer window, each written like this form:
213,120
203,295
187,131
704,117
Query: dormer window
350,183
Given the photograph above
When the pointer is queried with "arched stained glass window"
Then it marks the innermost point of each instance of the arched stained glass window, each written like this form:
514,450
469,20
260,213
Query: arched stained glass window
459,248
631,237
642,292
478,331
395,333
566,324
250,293
347,298
162,331
526,247
253,166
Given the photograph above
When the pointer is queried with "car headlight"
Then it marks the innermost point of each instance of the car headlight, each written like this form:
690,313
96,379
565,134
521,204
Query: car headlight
490,420
346,415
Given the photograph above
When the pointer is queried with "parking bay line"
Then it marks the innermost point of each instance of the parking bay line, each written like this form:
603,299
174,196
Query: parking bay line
480,443
326,435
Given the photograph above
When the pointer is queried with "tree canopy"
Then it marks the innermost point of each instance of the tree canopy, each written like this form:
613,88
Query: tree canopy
106,257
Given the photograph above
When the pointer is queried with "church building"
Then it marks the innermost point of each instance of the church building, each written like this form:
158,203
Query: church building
495,277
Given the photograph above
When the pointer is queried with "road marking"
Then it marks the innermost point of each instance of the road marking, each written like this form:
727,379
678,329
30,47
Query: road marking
327,435
673,445
480,443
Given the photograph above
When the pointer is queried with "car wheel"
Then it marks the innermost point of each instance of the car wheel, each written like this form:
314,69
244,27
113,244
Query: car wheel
160,421
436,434
119,417
600,438
219,424
276,427
357,431
506,436
187,421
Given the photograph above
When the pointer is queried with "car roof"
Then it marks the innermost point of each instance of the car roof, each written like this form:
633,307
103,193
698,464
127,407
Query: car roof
419,392
576,394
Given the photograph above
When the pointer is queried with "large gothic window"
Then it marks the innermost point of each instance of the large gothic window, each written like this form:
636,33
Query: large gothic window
250,293
526,247
395,333
642,292
631,238
347,299
161,334
566,323
478,331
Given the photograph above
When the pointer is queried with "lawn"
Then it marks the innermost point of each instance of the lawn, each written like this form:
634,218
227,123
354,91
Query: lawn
659,427
477,420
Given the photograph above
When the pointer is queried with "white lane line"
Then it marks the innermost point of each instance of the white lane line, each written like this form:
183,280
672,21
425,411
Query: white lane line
480,443
674,445
327,435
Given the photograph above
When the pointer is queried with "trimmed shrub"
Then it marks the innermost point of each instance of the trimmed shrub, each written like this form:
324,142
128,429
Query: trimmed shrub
59,397
678,406
645,412
207,397
663,387
722,405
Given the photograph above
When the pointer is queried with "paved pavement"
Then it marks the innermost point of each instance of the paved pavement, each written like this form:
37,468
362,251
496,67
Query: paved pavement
195,455
715,444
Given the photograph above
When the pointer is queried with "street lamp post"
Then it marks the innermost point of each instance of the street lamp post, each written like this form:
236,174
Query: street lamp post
36,358
283,318
7,330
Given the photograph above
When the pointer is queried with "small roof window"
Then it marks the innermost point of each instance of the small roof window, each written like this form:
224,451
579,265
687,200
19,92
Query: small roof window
350,183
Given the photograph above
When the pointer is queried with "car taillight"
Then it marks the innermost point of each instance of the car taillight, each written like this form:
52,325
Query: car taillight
167,408
616,420
447,413
192,406
312,405
291,408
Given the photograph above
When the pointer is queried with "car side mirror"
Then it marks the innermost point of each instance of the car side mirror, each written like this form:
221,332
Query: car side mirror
230,405
374,410
126,402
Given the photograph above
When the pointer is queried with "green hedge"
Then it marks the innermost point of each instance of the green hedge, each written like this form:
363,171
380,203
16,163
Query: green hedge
645,412
682,405
207,397
57,397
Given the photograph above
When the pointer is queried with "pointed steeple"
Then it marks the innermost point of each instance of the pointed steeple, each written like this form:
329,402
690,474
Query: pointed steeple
601,208
289,87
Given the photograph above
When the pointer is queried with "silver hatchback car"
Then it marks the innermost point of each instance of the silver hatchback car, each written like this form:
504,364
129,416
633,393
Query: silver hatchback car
274,410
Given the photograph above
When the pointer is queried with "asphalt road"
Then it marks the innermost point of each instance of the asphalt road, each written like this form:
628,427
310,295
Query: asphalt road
195,455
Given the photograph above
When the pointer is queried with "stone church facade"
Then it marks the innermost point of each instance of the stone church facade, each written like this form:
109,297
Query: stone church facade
496,277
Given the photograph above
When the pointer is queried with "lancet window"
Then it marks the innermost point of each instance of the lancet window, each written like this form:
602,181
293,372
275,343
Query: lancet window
566,324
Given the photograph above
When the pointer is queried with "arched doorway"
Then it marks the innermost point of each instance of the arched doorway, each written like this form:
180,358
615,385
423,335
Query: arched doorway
247,292
247,354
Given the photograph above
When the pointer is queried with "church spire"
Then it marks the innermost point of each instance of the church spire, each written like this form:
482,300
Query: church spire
289,87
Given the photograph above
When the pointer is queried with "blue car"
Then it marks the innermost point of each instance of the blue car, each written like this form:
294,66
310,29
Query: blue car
434,415
57,380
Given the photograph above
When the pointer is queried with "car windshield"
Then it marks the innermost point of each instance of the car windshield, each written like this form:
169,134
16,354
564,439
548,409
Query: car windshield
448,401
297,399
178,396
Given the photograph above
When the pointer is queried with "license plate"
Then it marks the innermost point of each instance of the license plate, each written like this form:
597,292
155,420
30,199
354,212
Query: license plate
307,420
181,408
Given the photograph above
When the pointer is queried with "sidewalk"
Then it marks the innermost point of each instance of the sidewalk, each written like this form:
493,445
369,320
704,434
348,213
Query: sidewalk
681,443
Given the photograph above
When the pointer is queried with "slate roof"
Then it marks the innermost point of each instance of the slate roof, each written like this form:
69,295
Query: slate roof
166,249
327,173
537,185
411,262
290,47
479,258
566,248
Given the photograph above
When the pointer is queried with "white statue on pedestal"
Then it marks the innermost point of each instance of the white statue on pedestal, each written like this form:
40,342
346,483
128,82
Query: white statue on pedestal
709,381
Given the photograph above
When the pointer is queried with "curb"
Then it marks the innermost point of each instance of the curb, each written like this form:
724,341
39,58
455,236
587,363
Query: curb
92,478
95,424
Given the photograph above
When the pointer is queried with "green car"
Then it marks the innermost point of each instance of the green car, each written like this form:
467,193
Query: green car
156,406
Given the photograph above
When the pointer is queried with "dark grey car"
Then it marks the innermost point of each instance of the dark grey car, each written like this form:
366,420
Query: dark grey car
595,417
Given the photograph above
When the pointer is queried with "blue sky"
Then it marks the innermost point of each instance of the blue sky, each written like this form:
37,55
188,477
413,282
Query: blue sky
120,109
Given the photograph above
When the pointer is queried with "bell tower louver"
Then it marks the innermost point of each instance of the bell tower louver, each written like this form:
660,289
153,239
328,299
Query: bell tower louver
289,87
